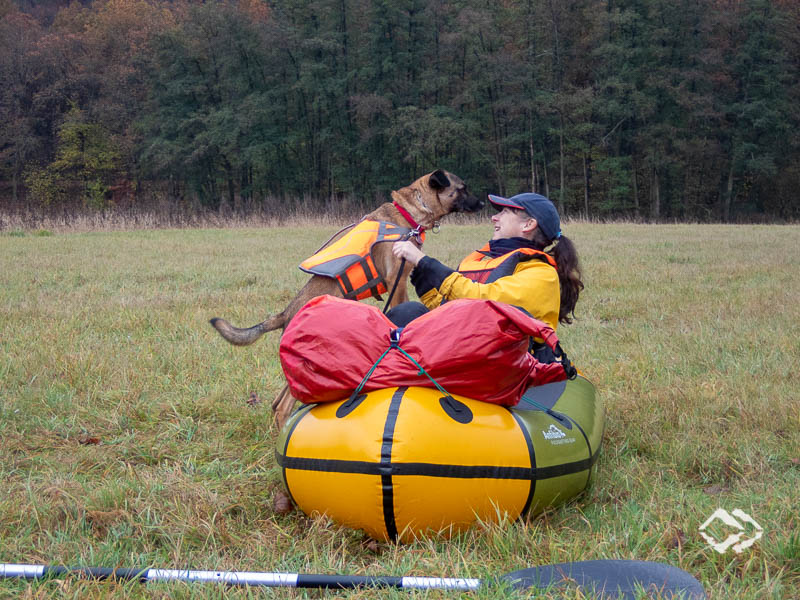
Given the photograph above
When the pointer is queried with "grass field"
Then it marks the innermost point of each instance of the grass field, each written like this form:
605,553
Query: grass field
128,439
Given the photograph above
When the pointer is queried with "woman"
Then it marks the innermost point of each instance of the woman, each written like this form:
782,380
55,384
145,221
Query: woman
512,268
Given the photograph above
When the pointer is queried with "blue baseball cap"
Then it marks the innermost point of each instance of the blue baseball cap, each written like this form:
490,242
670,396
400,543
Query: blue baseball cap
538,207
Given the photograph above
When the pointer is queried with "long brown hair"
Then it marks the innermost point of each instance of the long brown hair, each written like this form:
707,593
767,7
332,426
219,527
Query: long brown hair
569,272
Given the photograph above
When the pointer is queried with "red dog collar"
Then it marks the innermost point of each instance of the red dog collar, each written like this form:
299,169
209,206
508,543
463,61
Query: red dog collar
407,216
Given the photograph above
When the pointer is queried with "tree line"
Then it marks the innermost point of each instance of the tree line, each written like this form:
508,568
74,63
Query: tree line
641,109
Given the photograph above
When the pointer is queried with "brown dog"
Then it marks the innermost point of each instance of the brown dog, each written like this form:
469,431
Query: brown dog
423,204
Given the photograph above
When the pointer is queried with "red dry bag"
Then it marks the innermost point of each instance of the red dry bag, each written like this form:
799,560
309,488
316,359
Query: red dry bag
473,348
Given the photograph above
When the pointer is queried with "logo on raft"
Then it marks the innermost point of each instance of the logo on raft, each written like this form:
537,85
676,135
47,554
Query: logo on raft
556,436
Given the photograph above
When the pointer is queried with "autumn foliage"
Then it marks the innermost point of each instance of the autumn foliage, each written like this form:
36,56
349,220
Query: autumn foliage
635,108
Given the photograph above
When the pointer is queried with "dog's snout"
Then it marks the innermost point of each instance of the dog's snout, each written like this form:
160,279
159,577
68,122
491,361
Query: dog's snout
472,204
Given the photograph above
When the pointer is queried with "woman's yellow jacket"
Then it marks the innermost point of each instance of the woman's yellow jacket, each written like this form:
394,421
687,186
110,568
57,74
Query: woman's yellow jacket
532,283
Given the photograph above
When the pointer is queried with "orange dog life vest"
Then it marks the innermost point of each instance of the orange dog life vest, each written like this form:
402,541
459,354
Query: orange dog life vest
349,259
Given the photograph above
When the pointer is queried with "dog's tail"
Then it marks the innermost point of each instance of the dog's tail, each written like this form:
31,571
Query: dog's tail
246,336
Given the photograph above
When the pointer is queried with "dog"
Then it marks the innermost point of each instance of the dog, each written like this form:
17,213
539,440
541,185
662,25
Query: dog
419,206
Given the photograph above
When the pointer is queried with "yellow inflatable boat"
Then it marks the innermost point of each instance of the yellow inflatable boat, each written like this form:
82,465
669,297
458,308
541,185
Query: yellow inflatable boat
404,462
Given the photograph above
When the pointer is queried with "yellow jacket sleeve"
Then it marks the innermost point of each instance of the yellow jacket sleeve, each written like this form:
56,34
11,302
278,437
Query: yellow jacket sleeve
533,286
431,298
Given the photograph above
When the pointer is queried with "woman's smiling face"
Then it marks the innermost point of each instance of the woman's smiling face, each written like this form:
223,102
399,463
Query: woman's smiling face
509,223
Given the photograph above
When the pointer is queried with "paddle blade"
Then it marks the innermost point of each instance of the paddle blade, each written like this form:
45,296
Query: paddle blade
612,579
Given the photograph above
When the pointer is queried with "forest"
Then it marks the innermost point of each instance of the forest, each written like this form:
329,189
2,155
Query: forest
651,110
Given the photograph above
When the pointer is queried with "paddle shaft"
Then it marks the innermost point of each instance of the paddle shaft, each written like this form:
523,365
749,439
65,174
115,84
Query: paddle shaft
8,571
622,579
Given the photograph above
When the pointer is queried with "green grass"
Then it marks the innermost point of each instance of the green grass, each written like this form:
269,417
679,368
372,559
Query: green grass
691,334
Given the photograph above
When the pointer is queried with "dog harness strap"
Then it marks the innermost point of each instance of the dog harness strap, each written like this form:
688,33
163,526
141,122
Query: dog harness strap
373,283
347,287
391,232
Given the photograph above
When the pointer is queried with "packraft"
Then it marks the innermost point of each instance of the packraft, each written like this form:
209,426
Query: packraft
432,427
405,462
349,261
475,348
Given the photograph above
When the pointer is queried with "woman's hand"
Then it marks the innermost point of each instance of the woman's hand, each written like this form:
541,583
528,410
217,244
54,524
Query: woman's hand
409,251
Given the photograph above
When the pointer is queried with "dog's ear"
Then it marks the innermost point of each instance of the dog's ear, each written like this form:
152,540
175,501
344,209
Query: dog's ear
438,180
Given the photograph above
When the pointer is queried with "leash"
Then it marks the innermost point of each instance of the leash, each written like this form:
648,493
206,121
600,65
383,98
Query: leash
394,287
415,233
